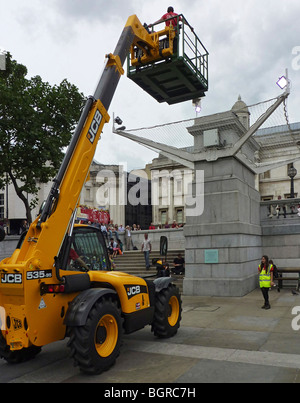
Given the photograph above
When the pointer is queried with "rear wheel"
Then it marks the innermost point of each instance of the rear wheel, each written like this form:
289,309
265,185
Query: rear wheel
167,315
96,345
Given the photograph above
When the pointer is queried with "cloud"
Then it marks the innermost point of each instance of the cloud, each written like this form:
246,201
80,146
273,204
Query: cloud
94,10
250,45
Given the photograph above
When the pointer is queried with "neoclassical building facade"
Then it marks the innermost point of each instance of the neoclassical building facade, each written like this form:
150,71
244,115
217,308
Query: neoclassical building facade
170,180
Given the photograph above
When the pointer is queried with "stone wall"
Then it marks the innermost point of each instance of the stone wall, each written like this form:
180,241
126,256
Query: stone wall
279,241
175,237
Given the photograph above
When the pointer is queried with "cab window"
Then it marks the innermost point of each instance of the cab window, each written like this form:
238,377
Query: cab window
88,247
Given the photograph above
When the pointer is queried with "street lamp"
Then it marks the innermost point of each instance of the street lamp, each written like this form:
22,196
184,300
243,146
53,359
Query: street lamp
197,105
282,82
292,172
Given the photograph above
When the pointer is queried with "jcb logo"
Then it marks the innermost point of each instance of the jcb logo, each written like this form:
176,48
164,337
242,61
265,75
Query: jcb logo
17,324
11,278
133,290
94,127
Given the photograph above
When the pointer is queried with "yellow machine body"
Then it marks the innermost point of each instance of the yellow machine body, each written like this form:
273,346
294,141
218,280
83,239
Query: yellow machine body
40,297
31,318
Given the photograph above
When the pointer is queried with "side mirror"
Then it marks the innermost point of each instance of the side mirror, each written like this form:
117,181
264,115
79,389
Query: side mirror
2,234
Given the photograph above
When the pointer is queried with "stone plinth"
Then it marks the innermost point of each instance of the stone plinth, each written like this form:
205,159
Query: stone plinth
223,245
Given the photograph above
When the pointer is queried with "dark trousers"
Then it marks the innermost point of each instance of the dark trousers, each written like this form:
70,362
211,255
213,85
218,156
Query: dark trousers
265,293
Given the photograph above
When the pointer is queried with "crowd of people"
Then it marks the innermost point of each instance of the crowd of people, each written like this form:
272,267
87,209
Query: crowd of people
111,231
114,229
115,246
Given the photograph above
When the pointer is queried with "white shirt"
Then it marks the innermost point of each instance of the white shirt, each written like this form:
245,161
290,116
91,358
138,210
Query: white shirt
146,245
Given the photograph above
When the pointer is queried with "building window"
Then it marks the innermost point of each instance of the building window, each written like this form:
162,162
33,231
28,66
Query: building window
288,195
179,215
265,175
163,216
88,194
267,198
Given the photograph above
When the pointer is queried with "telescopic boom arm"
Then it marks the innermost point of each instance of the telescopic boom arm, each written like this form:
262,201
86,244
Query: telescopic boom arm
46,234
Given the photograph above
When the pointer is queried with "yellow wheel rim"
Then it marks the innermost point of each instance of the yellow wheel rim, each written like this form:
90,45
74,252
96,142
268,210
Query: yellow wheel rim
106,335
173,311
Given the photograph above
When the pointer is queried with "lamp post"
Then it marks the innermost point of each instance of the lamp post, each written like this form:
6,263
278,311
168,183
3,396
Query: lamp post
292,172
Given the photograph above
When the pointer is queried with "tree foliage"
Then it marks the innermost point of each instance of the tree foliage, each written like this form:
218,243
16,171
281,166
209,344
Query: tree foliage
36,123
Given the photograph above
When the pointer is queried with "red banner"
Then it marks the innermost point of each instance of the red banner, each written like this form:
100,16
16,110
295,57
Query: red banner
93,215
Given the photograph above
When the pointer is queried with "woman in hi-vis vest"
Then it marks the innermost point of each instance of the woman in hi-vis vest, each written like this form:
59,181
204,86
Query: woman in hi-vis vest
265,279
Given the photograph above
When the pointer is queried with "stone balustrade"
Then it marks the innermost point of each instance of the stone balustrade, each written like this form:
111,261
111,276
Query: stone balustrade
280,209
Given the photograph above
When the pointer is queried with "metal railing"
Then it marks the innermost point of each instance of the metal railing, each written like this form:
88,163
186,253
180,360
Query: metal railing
193,51
280,209
189,48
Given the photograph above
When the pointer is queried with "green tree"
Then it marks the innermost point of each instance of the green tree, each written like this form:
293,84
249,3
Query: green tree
36,123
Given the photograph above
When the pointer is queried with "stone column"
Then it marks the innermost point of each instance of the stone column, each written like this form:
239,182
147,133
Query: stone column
223,245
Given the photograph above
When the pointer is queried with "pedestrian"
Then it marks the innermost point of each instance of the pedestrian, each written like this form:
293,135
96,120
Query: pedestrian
146,248
275,269
162,267
128,237
104,230
120,247
277,210
170,17
265,270
24,226
112,247
284,211
178,264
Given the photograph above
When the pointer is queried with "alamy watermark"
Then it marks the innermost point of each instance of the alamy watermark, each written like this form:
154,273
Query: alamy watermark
175,188
296,59
295,324
296,319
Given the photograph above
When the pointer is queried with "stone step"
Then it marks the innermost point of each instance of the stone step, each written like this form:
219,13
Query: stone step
133,262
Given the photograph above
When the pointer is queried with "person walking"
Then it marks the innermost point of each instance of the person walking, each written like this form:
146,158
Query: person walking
146,248
128,238
265,270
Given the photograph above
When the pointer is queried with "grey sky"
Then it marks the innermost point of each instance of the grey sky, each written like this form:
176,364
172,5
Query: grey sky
250,45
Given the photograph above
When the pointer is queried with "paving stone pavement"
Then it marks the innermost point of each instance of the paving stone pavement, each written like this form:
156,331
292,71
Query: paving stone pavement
221,340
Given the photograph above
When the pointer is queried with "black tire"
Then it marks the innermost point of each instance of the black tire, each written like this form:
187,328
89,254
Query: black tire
96,345
167,314
15,357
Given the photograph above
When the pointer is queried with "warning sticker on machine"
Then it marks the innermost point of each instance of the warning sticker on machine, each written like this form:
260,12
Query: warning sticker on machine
42,304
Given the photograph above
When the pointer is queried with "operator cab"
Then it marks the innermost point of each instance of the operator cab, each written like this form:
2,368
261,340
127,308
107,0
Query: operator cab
88,250
176,69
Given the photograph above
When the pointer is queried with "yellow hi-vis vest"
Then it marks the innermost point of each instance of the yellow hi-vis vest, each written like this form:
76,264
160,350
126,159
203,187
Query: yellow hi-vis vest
265,277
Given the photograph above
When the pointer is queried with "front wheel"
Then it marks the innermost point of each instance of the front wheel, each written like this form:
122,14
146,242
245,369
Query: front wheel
96,345
167,314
